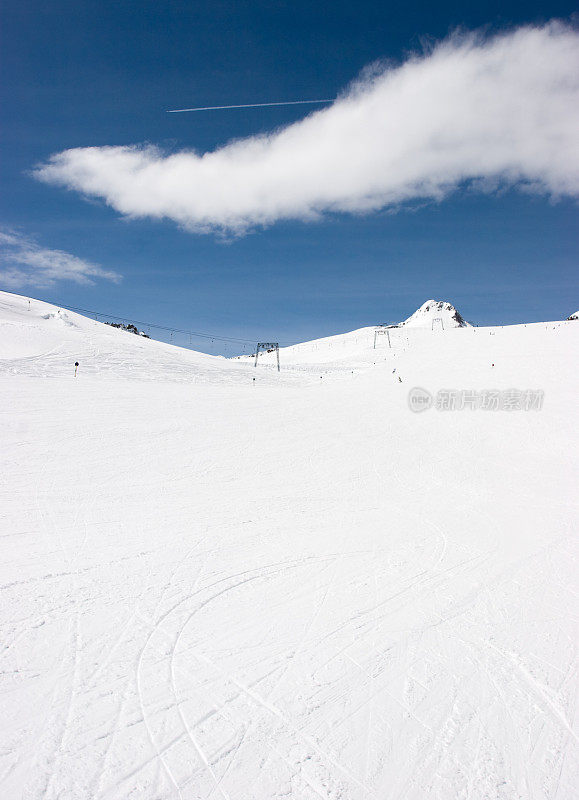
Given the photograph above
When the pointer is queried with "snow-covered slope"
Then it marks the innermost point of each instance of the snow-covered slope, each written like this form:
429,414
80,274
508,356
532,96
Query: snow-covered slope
349,352
294,587
37,338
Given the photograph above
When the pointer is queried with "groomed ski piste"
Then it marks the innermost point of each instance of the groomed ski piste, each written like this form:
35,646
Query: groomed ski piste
288,587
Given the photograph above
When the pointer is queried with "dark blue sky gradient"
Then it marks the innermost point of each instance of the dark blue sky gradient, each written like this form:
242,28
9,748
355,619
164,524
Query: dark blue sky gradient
86,73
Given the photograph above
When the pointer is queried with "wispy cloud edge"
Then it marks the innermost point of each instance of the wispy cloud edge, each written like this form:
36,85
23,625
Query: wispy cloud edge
24,263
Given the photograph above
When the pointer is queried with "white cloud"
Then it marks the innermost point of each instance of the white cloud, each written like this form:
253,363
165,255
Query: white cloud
24,263
499,111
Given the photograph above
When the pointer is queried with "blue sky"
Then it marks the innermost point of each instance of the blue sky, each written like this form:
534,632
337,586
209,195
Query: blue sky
85,74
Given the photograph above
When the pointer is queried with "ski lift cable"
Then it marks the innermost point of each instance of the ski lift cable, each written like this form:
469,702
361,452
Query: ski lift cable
196,334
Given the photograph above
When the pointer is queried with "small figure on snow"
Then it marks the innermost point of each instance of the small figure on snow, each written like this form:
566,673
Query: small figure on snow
75,368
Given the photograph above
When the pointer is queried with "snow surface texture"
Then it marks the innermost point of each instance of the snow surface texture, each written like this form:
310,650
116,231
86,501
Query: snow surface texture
288,588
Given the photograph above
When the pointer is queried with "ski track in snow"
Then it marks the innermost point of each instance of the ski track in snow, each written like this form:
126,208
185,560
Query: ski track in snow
220,589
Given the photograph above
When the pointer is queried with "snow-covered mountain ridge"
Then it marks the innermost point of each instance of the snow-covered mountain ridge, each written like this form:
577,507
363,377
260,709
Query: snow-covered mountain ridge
436,313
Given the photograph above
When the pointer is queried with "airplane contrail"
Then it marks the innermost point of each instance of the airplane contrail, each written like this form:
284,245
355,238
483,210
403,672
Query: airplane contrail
248,105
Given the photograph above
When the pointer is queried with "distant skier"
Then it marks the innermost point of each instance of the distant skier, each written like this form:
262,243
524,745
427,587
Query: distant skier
75,368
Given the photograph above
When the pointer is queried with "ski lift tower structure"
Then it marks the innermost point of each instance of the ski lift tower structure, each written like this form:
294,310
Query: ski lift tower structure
267,347
384,330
